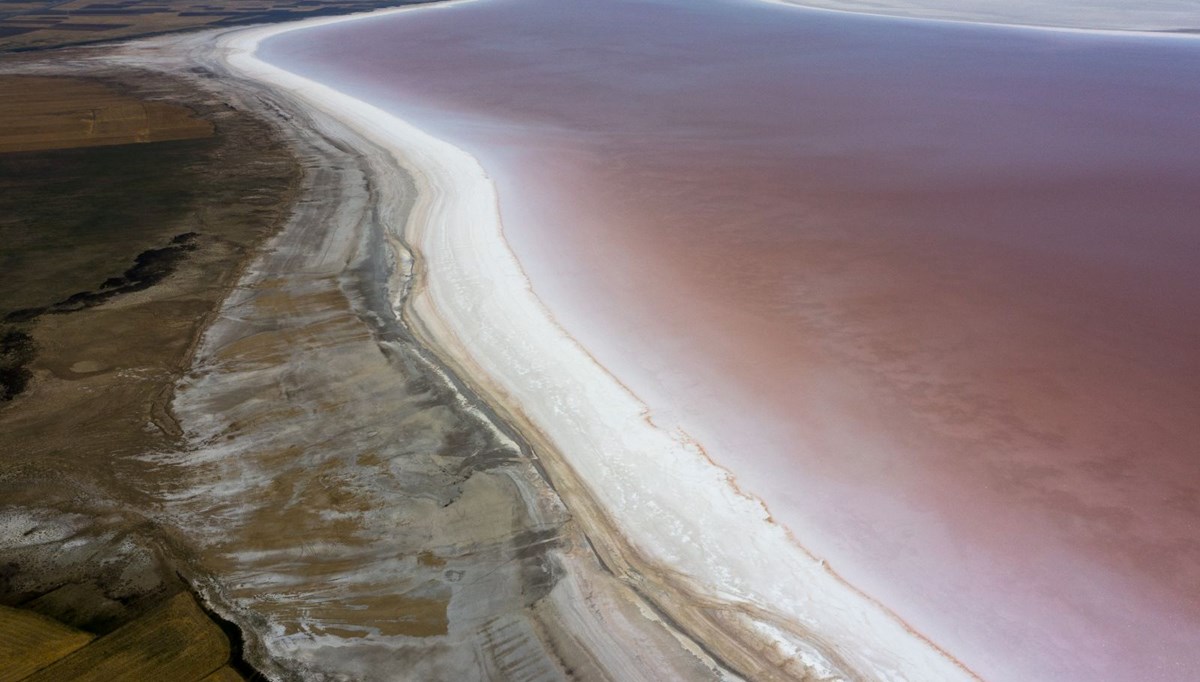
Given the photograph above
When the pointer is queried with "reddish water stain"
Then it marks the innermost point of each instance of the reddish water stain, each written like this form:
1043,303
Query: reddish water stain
929,290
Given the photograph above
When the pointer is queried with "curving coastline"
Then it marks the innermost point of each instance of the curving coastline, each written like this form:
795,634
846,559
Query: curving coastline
341,497
734,580
567,316
389,458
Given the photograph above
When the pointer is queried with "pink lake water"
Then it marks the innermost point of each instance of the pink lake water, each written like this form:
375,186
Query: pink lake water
931,291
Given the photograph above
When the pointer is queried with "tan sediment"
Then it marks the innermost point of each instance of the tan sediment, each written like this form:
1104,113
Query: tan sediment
350,505
720,629
63,113
80,543
394,615
428,558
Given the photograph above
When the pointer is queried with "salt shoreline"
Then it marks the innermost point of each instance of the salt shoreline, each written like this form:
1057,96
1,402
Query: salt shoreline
612,453
1014,21
461,561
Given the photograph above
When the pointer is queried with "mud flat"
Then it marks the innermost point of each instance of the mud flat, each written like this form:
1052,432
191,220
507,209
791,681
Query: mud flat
125,223
344,497
317,476
670,525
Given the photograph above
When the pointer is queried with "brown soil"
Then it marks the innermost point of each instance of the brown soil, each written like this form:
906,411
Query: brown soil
62,113
120,254
175,640
30,641
338,483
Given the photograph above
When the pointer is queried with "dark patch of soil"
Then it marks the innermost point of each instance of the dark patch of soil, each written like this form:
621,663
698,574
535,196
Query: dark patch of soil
16,351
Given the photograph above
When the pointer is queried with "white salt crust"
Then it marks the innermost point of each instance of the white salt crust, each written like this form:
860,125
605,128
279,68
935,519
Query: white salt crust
668,499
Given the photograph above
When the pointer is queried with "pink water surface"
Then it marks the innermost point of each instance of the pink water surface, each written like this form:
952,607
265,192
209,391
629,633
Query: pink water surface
931,291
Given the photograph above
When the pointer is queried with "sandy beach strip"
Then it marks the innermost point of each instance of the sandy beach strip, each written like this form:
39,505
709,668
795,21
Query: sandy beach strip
721,568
